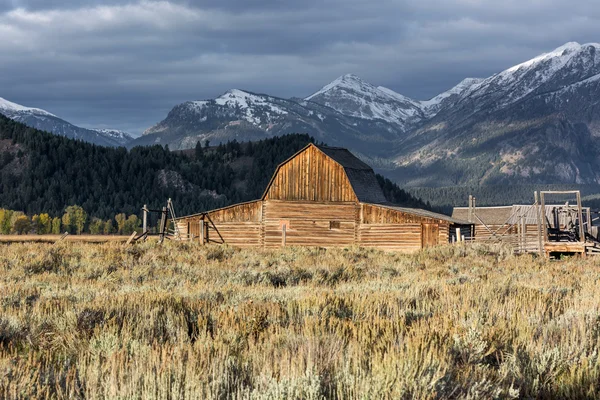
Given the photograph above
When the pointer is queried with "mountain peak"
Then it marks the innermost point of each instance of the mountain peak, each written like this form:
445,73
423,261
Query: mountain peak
560,56
351,95
566,46
345,82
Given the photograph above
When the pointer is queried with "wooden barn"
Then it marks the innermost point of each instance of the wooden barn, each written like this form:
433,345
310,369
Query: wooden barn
321,196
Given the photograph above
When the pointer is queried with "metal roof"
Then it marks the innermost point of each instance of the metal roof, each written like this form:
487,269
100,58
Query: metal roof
425,213
361,176
489,215
508,214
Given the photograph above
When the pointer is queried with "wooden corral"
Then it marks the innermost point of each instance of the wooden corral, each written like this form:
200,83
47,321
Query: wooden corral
326,197
545,229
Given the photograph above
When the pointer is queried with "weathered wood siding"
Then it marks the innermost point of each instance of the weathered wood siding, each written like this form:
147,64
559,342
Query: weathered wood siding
244,212
311,176
309,223
391,237
396,230
502,233
238,225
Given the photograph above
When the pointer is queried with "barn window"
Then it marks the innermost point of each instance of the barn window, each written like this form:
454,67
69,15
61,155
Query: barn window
334,225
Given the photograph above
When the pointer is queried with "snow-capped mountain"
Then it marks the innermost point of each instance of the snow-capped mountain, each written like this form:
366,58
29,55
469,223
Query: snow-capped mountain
43,120
536,122
243,116
448,98
119,136
350,95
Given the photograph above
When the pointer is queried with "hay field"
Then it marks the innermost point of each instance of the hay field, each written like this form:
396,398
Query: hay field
100,321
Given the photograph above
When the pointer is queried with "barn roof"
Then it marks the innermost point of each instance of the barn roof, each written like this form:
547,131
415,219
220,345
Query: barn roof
508,214
489,215
344,157
426,214
361,176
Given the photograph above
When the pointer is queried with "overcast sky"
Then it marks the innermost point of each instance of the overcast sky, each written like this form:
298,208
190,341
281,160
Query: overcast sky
124,64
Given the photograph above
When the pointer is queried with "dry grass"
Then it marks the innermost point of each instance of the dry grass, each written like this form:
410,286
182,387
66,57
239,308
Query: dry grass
53,238
185,322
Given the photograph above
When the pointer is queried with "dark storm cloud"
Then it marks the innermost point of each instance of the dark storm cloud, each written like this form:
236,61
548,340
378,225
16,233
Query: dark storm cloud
125,63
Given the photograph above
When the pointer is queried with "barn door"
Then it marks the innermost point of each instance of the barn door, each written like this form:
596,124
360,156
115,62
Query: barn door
430,235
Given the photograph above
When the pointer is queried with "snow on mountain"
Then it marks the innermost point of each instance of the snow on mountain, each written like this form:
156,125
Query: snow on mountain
434,105
350,95
116,134
502,128
43,120
245,116
10,107
249,103
566,65
537,121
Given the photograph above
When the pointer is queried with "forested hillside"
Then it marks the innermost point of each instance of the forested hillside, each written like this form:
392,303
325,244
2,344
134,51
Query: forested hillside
45,173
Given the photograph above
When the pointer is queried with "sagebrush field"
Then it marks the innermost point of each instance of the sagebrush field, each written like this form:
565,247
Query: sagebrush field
183,321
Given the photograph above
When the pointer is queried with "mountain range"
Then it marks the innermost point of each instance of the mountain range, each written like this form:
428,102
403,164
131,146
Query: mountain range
45,121
536,122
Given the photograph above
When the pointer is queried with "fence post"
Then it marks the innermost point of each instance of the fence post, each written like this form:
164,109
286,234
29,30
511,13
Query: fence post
202,234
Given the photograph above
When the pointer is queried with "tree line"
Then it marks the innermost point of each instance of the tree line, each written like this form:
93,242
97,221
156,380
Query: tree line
42,173
75,220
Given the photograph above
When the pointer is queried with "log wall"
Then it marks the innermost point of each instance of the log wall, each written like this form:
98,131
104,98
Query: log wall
372,214
310,176
238,225
309,224
321,224
391,237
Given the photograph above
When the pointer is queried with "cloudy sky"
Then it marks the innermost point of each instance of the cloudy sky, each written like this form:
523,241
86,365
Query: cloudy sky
125,63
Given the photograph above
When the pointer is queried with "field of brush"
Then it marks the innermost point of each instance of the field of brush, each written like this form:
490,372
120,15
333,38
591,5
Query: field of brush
181,321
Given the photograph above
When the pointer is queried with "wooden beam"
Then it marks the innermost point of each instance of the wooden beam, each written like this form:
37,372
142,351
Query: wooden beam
561,192
543,215
131,238
539,223
145,219
470,208
163,224
283,234
580,217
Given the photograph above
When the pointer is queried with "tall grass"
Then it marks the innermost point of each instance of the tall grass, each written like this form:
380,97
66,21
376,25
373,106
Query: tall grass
189,322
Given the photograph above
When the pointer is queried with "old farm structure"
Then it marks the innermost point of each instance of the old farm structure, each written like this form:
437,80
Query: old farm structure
321,196
549,229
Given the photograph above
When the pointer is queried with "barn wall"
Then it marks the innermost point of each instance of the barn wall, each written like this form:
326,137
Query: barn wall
244,212
311,176
482,234
309,223
375,215
238,225
392,237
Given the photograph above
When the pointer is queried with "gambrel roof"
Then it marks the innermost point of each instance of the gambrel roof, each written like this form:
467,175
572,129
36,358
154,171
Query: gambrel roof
361,177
